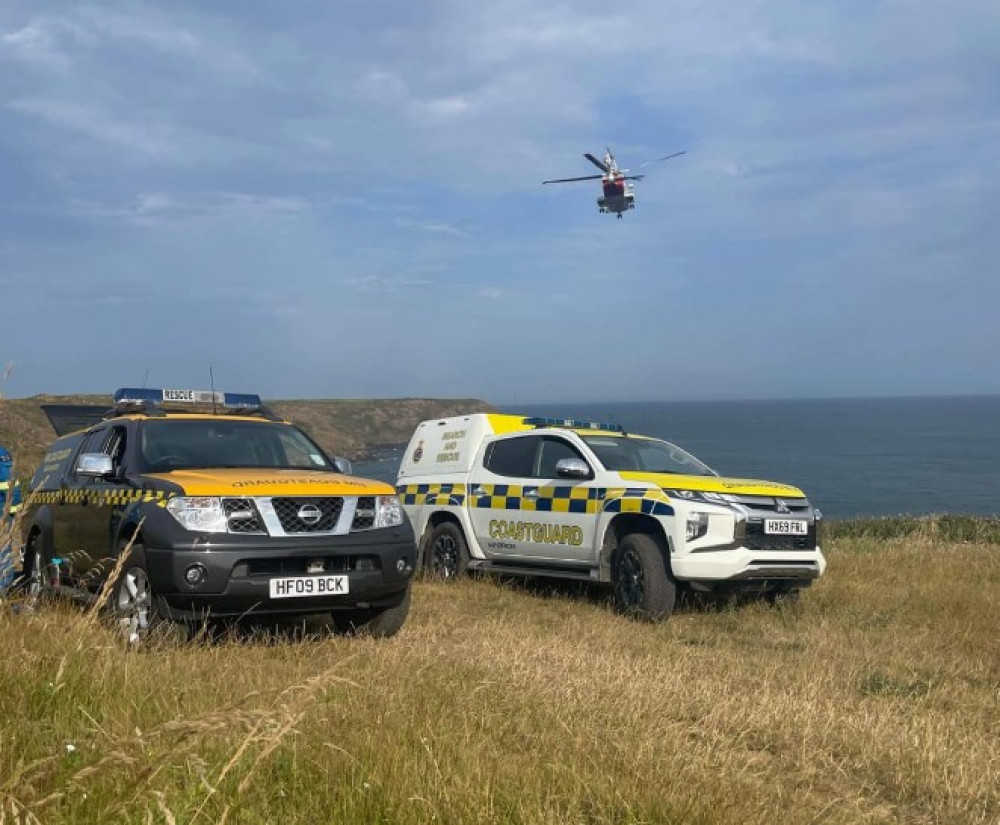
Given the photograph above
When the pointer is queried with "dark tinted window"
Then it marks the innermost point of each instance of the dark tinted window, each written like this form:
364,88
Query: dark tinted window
512,456
166,445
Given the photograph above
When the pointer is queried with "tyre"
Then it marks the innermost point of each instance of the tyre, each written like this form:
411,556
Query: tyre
36,576
133,603
447,555
644,589
379,624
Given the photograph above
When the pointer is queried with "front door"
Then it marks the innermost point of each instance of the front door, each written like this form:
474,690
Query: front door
522,511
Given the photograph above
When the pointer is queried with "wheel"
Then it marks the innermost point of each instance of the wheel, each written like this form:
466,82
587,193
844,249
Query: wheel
379,624
644,589
447,554
133,603
36,577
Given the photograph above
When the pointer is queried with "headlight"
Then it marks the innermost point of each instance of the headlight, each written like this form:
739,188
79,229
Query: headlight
388,512
697,525
203,515
698,495
819,526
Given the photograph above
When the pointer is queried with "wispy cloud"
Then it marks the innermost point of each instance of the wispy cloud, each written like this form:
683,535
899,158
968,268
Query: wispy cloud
431,227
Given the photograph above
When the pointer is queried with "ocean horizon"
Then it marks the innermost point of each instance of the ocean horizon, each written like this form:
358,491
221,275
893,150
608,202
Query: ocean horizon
853,457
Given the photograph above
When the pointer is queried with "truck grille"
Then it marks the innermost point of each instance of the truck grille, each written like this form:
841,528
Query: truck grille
757,539
769,504
242,516
308,514
364,515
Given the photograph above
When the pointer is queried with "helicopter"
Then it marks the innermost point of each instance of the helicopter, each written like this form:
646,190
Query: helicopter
619,193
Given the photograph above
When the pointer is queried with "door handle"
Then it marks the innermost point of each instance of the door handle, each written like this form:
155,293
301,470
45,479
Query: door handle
478,491
531,494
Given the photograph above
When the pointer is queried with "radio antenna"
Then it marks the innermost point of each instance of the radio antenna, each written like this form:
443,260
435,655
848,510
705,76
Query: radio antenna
211,380
144,377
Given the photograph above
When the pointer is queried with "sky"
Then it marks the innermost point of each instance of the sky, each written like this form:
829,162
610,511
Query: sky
344,200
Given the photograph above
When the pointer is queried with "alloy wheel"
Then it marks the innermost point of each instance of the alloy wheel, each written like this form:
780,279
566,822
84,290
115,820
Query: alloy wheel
134,605
444,557
630,579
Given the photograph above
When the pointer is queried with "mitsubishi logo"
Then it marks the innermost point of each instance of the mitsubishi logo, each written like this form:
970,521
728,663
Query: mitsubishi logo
780,506
309,514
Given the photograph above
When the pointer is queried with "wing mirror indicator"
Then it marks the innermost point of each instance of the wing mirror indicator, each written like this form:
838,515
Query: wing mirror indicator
572,468
95,465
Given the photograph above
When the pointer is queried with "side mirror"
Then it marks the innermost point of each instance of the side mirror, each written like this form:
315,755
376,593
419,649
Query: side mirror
343,465
95,465
572,468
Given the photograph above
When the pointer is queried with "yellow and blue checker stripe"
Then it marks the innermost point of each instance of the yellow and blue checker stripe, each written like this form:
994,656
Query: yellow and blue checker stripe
637,500
113,497
539,499
542,500
440,494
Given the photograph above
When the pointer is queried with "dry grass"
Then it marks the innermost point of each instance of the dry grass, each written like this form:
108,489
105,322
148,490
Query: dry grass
875,699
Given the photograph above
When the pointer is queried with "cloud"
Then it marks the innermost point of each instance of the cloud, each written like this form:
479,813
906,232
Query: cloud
385,165
431,227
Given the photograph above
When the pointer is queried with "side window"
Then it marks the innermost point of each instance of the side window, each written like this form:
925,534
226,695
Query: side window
512,456
115,447
93,443
553,450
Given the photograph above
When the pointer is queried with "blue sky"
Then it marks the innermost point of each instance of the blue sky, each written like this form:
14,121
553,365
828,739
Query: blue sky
343,199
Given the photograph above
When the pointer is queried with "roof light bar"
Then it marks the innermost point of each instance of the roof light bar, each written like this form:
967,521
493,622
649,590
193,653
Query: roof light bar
232,400
572,424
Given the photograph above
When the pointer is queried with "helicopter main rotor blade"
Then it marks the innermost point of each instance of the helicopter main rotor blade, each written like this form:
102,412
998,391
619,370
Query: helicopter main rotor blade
665,157
570,180
632,177
600,164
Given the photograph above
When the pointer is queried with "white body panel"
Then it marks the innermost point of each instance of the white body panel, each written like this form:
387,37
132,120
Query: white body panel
563,522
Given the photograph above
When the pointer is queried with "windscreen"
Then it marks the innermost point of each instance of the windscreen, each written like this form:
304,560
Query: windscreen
189,444
645,455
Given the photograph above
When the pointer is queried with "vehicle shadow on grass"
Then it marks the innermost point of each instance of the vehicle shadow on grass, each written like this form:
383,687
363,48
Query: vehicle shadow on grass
263,631
600,595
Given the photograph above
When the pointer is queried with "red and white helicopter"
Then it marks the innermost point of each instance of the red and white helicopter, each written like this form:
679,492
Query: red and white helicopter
619,194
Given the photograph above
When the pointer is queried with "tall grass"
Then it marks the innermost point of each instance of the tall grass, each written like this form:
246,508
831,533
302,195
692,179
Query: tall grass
874,699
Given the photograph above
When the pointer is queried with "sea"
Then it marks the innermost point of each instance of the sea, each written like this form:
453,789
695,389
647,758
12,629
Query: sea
852,457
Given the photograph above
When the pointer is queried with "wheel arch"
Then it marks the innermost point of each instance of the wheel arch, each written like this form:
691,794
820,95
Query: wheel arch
436,518
623,524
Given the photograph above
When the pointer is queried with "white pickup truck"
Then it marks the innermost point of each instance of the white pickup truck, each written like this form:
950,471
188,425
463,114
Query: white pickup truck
582,500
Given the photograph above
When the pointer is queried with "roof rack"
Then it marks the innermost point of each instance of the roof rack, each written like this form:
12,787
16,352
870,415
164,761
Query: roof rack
572,424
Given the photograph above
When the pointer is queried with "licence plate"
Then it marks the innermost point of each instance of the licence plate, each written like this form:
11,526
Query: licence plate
297,586
786,526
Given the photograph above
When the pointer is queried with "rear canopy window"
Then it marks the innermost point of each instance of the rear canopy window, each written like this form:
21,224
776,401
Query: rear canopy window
178,445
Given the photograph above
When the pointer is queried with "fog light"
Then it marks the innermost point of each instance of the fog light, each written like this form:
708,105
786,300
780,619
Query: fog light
697,525
195,575
404,567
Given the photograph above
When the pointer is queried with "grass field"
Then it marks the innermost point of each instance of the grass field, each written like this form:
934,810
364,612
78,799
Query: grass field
874,699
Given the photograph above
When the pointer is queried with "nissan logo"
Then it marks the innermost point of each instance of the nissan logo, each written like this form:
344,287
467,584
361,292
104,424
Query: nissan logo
781,506
309,514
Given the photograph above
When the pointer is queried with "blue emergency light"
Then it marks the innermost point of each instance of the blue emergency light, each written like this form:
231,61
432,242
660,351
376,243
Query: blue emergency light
129,396
572,424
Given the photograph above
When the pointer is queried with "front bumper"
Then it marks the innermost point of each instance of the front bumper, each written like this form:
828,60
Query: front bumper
752,567
237,570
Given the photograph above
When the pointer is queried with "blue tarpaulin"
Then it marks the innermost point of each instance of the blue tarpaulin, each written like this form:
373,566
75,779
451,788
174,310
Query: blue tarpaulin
8,488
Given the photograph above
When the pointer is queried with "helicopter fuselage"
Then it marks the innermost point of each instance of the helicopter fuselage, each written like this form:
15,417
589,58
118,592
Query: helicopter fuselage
618,196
